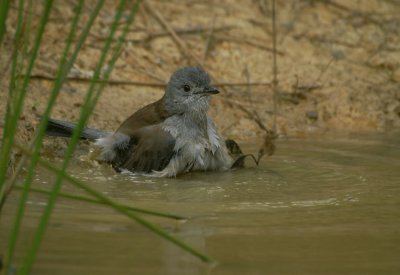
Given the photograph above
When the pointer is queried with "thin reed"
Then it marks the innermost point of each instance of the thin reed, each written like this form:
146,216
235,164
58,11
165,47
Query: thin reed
25,52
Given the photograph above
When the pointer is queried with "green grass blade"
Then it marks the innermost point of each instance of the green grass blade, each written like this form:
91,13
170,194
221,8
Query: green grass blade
118,208
61,75
25,44
117,51
92,97
62,71
16,110
4,7
94,201
21,57
4,156
27,265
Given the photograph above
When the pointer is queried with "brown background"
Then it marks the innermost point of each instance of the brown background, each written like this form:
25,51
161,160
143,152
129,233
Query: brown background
338,63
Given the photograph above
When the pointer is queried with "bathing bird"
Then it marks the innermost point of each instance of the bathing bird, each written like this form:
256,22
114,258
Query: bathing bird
168,137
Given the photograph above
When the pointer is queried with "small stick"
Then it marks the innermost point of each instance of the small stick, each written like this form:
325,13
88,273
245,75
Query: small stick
274,65
148,26
153,76
324,70
208,43
227,84
141,83
242,157
153,35
248,42
247,74
172,32
109,82
14,177
249,113
231,101
186,52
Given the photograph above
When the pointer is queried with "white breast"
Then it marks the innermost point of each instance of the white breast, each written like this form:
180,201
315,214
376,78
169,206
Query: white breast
195,149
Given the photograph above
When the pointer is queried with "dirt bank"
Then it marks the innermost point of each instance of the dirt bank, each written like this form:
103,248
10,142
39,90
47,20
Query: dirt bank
338,64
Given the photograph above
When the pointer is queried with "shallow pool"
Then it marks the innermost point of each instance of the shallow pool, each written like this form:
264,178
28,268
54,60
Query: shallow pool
326,205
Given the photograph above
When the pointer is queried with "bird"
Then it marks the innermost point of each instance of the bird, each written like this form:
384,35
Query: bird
169,137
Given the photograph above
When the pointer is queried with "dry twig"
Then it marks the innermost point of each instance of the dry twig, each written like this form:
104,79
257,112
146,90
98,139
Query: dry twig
150,35
248,42
181,45
209,40
142,83
149,74
274,65
186,52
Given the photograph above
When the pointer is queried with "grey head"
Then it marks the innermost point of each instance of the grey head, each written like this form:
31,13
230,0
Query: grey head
188,91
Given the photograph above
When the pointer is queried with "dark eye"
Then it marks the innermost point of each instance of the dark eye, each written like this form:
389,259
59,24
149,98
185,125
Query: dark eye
186,88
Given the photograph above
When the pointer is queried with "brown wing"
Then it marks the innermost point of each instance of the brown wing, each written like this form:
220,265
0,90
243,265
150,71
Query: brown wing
151,114
151,148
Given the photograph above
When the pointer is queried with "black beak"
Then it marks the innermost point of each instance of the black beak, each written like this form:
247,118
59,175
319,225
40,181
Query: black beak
210,90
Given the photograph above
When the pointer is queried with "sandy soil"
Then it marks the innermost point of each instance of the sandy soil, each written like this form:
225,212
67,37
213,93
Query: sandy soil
338,64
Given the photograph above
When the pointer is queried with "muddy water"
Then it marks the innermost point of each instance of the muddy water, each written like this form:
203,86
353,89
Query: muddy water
318,206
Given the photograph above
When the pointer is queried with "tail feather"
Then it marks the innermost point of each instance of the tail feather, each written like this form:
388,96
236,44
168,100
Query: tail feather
59,128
